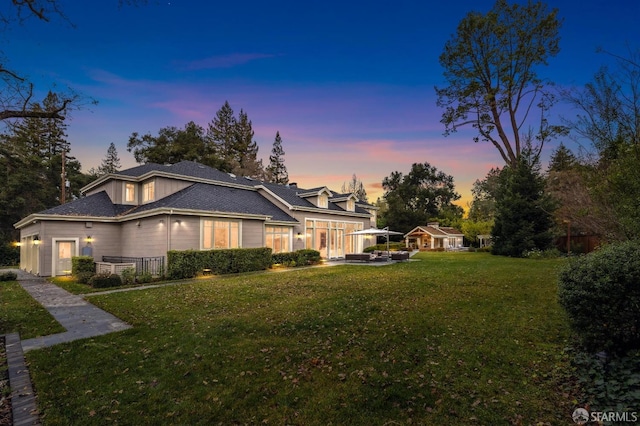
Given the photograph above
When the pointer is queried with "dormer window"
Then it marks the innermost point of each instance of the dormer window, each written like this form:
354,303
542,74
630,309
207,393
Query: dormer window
148,192
129,192
351,205
323,201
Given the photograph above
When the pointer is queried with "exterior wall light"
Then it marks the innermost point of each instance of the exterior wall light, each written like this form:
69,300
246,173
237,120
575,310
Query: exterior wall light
89,239
36,241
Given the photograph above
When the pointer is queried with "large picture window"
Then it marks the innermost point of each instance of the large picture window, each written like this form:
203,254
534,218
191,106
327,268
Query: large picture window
278,238
220,234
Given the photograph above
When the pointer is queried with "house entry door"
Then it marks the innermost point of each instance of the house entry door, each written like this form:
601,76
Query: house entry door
64,251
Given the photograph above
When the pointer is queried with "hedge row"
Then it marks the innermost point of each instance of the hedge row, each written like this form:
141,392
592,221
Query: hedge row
296,258
190,263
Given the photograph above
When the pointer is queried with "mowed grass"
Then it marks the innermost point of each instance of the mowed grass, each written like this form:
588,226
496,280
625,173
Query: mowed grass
20,313
455,339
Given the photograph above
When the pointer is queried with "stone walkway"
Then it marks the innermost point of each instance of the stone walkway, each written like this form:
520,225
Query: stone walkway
80,318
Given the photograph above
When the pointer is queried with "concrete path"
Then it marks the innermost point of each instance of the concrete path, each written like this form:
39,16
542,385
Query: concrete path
80,318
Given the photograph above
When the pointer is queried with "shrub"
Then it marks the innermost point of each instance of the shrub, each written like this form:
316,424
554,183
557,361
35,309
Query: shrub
307,257
128,276
83,277
105,281
383,247
144,278
189,263
601,294
8,276
83,268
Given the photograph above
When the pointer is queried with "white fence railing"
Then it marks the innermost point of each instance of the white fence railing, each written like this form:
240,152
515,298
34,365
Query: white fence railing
113,268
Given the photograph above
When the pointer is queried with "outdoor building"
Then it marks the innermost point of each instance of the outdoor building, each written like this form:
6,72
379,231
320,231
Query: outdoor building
434,237
145,211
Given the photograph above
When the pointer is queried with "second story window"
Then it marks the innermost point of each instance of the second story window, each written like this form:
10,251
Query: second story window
148,192
129,193
323,201
351,205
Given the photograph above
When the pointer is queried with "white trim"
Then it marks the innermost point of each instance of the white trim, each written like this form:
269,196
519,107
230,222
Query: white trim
54,251
220,219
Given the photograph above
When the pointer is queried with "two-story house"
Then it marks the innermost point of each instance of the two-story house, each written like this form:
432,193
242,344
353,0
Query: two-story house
148,210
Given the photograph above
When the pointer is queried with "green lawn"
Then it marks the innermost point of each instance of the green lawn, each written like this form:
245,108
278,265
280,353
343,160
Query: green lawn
452,339
19,312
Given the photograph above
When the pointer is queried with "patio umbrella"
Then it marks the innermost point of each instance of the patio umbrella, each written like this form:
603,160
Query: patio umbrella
375,231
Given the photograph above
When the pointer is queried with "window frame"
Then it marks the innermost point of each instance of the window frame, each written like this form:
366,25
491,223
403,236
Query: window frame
231,225
125,192
148,191
271,231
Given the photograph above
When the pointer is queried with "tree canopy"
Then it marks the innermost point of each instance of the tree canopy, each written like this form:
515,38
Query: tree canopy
490,65
415,198
227,144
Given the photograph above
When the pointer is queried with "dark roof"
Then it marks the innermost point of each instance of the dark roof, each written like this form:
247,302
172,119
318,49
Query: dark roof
186,168
205,197
99,205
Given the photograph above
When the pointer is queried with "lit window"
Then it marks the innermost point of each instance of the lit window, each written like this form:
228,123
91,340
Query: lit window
129,192
277,238
148,190
219,234
351,205
323,201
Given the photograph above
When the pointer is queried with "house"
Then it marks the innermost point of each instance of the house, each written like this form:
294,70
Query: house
147,210
434,237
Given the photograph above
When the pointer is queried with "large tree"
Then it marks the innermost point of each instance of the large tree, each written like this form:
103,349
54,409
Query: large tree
523,220
609,118
424,193
276,171
356,187
32,155
490,65
173,145
111,162
233,139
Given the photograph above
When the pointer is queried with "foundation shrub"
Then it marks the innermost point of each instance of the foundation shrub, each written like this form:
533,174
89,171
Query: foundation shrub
8,276
83,268
190,263
105,281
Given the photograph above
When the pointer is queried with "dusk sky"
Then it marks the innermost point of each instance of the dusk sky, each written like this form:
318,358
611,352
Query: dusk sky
348,84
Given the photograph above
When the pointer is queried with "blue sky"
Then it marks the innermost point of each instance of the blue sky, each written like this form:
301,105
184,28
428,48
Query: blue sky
348,84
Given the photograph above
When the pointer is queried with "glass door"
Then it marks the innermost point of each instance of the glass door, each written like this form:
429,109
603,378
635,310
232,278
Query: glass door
65,250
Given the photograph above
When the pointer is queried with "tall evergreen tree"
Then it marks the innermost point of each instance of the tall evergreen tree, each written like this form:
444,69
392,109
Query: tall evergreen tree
244,154
111,163
276,170
523,219
221,134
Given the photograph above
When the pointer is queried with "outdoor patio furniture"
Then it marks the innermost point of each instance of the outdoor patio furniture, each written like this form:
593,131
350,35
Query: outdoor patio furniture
357,257
400,255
